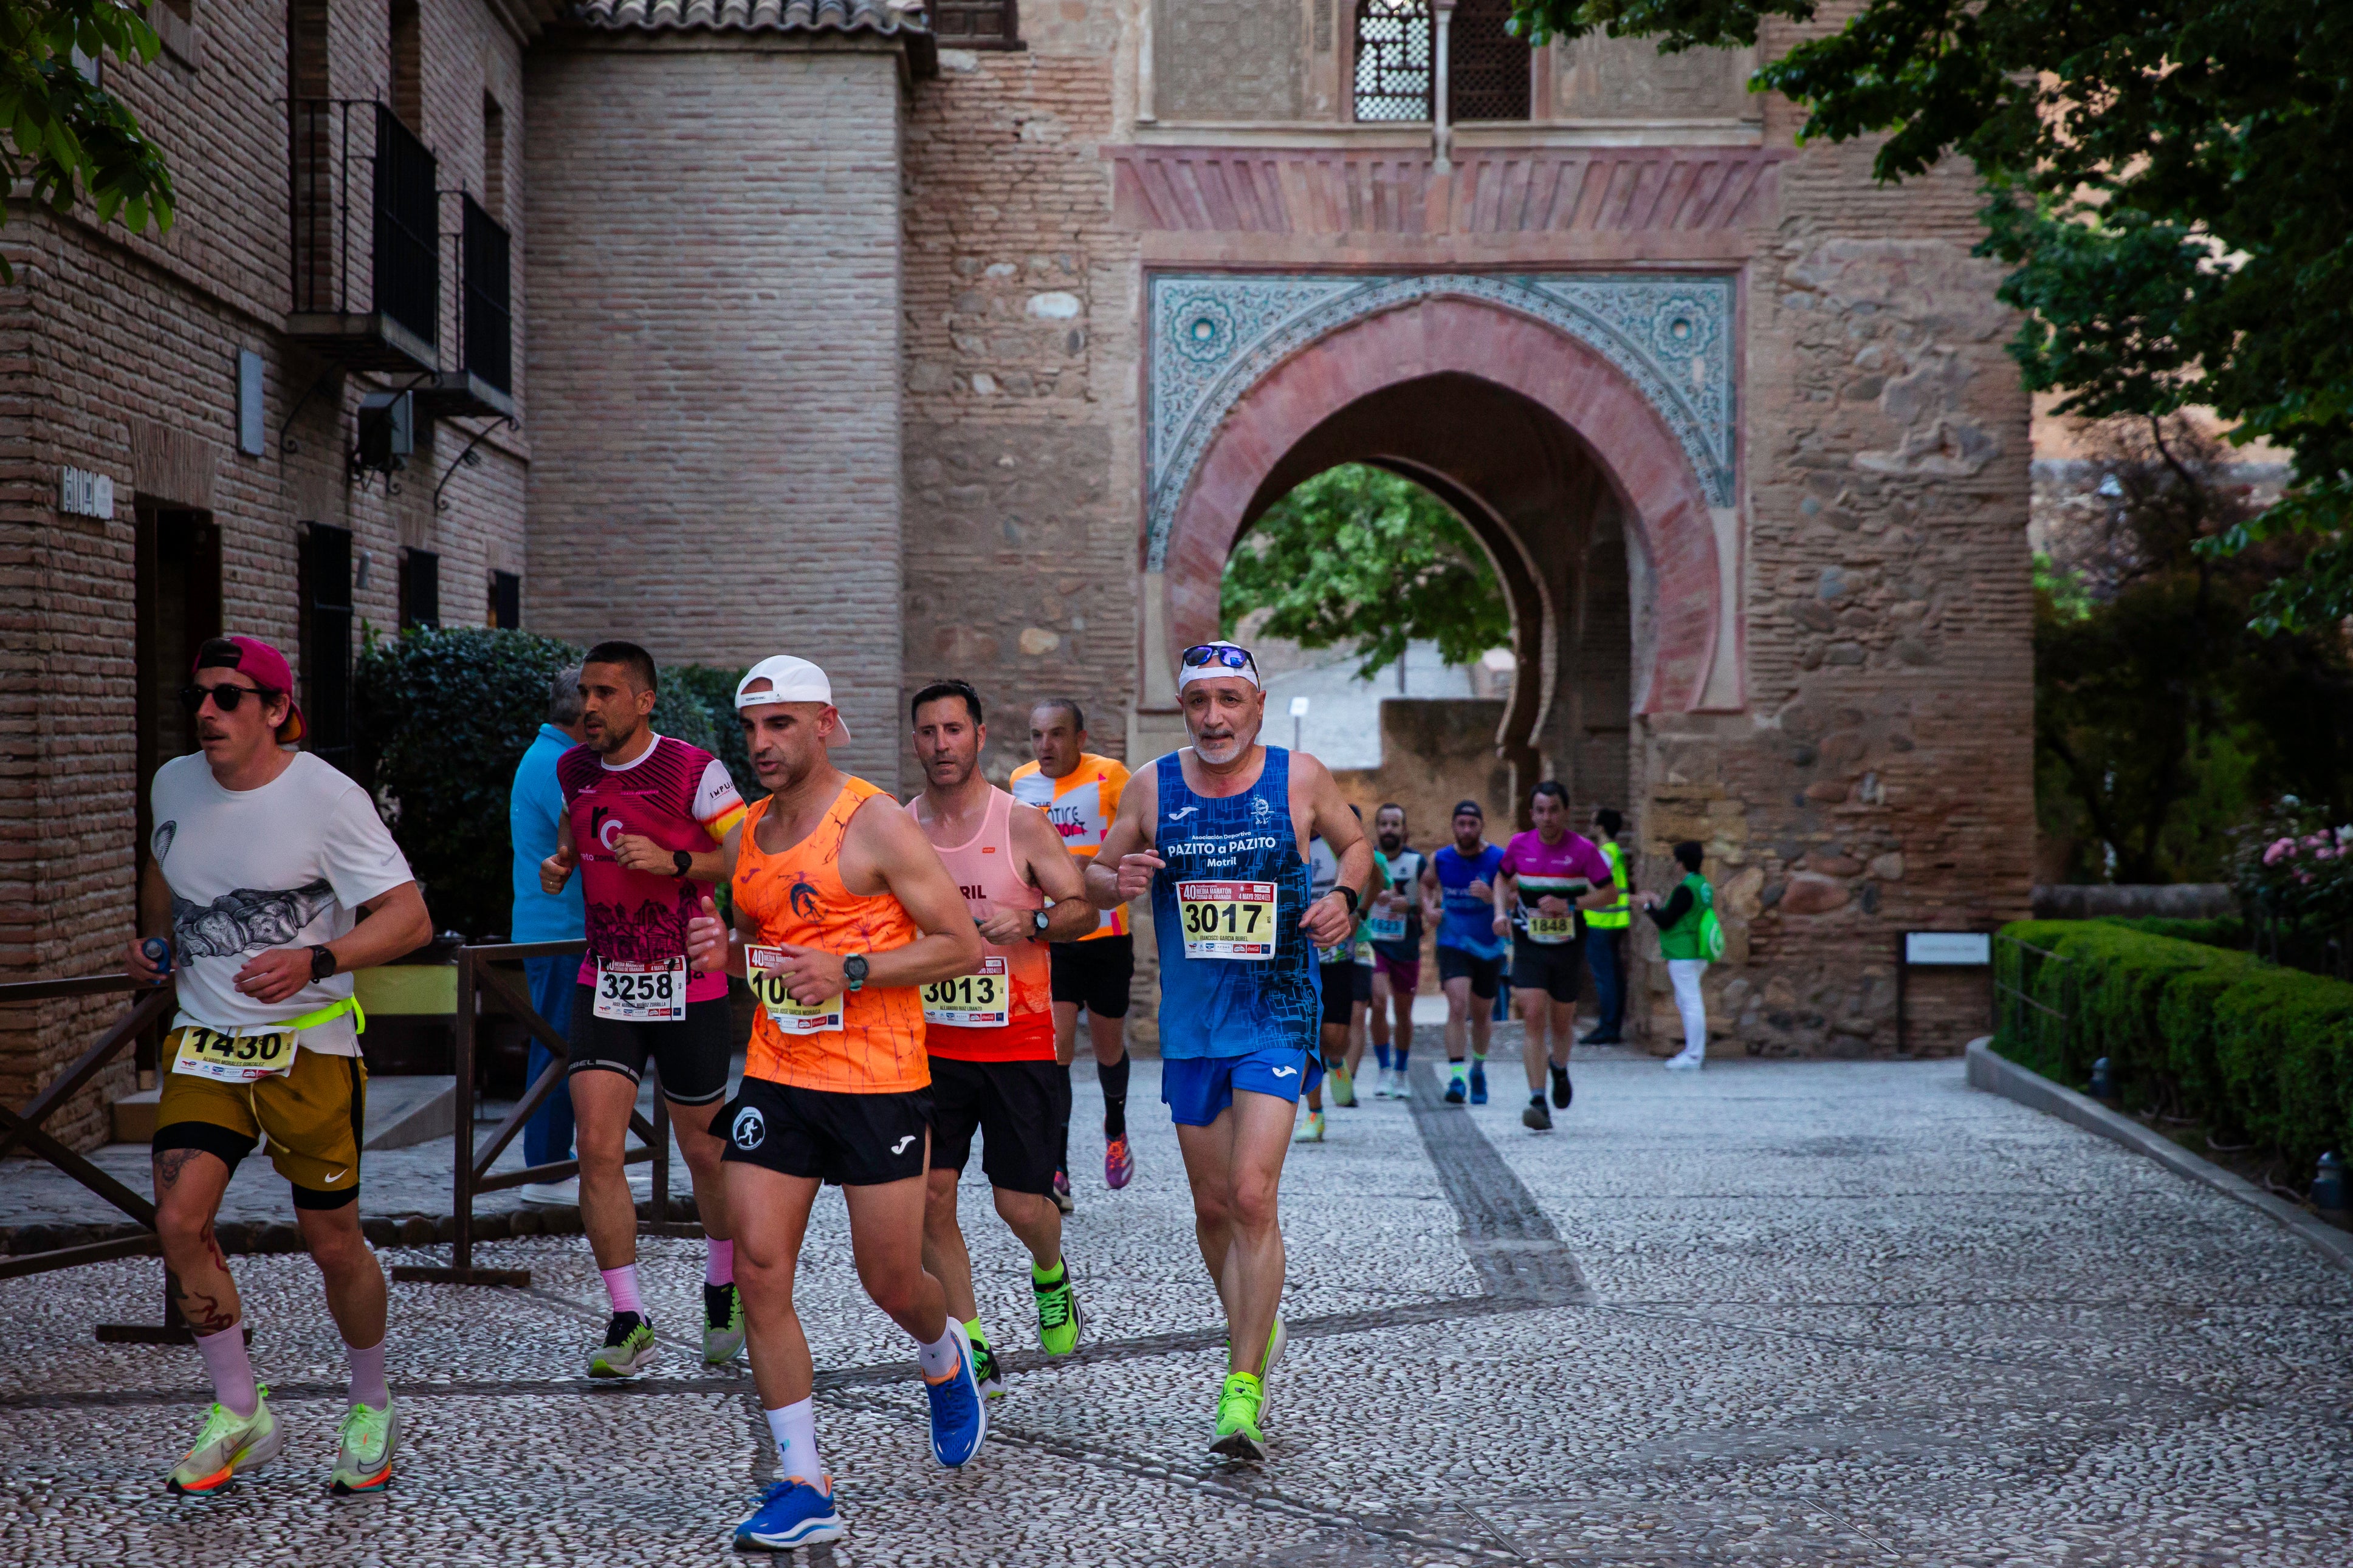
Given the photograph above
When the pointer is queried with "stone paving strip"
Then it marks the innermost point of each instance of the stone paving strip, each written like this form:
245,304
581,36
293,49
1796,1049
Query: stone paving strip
1819,1313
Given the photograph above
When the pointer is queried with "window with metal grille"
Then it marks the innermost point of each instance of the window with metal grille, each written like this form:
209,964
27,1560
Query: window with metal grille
977,23
1395,56
1487,70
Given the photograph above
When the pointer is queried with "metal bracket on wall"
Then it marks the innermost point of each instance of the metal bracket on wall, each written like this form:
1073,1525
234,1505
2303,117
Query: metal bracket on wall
287,444
470,457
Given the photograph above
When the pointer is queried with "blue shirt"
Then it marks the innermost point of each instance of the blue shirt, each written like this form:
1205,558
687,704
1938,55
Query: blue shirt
1232,1006
1467,920
533,808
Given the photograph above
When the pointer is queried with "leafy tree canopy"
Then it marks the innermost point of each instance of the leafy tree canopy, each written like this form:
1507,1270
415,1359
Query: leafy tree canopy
1360,558
2171,179
65,137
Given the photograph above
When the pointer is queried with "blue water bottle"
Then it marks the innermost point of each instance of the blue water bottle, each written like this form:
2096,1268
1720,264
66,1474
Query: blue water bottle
158,952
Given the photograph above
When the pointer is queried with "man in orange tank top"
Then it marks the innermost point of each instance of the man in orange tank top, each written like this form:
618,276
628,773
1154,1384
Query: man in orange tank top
843,913
991,1035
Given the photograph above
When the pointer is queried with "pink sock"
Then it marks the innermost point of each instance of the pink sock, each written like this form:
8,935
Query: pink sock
719,1266
621,1285
367,1375
230,1370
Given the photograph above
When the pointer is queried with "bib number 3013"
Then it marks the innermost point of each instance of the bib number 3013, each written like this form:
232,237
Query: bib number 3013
789,1017
980,1001
1227,919
232,1058
641,993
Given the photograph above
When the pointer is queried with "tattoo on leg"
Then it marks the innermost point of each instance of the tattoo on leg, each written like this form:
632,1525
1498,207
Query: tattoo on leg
212,1243
205,1314
170,1162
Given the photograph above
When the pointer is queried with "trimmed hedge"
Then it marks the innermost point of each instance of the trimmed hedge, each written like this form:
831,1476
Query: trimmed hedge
2226,930
2257,1052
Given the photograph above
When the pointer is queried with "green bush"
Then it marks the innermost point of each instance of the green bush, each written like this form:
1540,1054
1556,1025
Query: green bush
716,689
2255,1052
2225,930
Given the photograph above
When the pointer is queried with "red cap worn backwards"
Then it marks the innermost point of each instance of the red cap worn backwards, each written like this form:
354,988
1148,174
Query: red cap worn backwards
264,665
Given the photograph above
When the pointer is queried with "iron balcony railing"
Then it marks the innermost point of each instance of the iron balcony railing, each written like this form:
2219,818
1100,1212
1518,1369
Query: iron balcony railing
365,230
485,296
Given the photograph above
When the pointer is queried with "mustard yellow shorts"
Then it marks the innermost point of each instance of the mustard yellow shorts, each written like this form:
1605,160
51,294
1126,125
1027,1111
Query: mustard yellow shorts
312,1116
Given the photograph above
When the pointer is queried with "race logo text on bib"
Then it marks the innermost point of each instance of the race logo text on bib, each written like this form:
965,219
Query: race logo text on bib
1551,928
234,1058
641,993
784,1013
1228,920
981,1001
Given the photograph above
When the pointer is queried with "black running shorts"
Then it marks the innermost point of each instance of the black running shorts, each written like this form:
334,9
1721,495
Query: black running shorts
1095,973
1339,987
846,1140
1486,974
1548,967
1019,1109
692,1056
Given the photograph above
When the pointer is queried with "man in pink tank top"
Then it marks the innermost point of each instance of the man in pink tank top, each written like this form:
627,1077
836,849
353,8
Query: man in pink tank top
991,1035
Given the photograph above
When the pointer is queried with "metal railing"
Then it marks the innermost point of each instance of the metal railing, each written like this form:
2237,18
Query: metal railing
471,1167
485,295
356,167
2021,1021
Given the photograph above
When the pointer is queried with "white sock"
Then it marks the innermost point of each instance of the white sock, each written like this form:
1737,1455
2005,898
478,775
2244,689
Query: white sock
795,1430
230,1368
621,1285
939,1360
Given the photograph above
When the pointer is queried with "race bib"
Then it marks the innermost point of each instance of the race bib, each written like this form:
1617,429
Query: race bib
982,1001
1551,928
787,1014
641,993
1227,919
234,1058
1386,927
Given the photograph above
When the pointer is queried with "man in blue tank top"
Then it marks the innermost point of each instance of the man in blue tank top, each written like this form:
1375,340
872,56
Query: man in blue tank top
1218,835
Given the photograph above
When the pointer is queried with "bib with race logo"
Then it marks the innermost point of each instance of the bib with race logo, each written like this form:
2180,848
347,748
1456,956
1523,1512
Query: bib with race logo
235,1057
632,992
980,1001
1228,920
1551,928
770,991
1386,927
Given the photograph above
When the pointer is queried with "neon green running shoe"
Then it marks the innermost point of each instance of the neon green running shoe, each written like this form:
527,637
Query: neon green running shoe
1238,1436
363,1449
723,1324
227,1444
628,1349
985,1369
1059,1319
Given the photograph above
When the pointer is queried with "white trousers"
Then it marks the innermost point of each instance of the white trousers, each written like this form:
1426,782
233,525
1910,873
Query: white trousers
1685,973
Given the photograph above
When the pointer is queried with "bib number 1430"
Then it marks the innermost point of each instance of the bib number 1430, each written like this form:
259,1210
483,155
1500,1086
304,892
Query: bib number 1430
641,993
1227,919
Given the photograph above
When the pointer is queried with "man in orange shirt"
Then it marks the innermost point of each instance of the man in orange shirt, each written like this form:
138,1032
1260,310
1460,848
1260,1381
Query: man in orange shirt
843,913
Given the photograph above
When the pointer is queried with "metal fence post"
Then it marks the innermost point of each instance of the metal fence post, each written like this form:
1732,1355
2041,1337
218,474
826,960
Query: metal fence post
462,1241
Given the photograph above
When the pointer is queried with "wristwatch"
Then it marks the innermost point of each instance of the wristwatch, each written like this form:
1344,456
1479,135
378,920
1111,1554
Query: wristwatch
853,972
1348,893
323,962
684,860
1038,920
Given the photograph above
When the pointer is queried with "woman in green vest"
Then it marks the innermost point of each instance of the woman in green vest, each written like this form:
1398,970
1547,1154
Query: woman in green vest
1689,936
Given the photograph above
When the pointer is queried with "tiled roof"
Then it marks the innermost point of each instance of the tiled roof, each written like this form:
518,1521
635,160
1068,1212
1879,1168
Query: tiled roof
886,17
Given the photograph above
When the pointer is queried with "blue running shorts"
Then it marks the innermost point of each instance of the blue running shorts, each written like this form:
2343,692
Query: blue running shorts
1196,1089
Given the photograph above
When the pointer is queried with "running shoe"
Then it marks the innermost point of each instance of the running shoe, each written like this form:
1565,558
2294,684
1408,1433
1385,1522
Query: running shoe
1062,1198
628,1347
1238,1405
985,1369
722,1323
1478,1083
959,1415
363,1449
1687,1061
227,1443
1275,1340
1310,1130
1453,1090
1059,1318
1534,1117
1563,1091
794,1513
1344,1087
1119,1163
1601,1038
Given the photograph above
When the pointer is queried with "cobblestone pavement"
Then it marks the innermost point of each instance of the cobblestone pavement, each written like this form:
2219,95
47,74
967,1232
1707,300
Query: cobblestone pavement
1787,1313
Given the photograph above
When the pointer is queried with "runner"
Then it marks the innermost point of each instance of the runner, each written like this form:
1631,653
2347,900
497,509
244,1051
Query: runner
1547,874
1396,928
656,816
1346,974
1217,833
1079,792
843,913
1458,897
1605,936
263,857
990,1035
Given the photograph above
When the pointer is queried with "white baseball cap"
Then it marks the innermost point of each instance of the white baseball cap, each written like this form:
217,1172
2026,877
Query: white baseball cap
789,680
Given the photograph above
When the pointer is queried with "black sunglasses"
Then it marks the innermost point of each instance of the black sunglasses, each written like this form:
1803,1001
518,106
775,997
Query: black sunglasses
1232,658
224,697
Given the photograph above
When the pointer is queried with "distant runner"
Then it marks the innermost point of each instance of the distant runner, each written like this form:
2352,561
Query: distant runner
1457,890
1216,833
1395,927
1548,875
1346,976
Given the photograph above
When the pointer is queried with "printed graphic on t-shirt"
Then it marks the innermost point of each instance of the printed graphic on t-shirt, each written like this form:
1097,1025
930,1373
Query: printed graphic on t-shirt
681,797
249,919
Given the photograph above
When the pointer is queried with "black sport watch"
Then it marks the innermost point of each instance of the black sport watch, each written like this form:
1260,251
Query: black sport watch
684,860
1348,893
323,962
1038,920
853,972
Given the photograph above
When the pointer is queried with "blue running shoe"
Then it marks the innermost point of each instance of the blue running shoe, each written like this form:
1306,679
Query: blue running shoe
1478,1083
959,1417
794,1513
1453,1091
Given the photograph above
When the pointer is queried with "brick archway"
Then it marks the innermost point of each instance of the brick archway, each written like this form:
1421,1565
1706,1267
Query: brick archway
1438,335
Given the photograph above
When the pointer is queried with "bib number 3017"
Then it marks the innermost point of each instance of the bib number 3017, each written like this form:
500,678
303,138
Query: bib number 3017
789,1017
1227,919
641,993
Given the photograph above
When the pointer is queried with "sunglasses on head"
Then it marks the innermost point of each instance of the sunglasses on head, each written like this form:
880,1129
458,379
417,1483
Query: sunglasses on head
224,697
1206,653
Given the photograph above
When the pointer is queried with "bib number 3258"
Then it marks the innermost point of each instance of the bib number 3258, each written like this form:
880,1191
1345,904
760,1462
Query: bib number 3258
1227,919
641,993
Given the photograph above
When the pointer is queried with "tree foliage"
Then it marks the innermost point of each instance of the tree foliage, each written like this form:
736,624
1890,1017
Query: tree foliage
1360,558
2172,180
65,137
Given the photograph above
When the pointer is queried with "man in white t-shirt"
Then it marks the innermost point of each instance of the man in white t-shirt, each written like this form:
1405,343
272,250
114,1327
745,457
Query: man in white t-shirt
263,858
